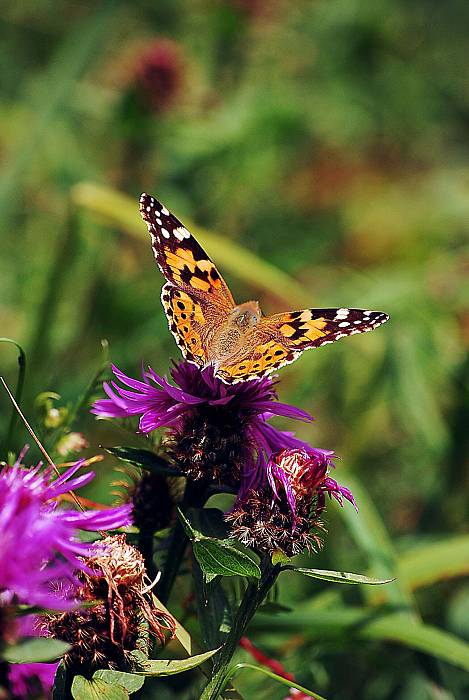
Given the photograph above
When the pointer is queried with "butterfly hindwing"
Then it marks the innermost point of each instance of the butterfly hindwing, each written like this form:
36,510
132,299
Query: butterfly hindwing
186,321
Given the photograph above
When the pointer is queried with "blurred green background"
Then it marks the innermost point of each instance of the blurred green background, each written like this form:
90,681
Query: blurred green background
328,140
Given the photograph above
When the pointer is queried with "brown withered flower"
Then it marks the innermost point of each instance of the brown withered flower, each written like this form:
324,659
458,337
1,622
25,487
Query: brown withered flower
117,607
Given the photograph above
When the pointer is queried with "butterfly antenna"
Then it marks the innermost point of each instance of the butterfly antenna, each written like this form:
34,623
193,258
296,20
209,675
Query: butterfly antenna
36,439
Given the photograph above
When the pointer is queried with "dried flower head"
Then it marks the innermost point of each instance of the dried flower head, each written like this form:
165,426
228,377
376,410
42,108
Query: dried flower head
114,585
282,510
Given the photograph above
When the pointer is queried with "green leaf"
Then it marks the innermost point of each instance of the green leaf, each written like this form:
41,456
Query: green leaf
144,459
169,667
426,564
339,576
350,623
129,681
213,607
280,679
97,689
279,557
35,650
216,557
209,522
59,690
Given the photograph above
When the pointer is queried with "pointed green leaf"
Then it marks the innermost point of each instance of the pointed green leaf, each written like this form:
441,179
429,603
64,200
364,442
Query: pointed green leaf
97,689
209,522
431,562
340,576
146,459
129,681
35,650
371,624
59,690
216,557
169,667
279,557
213,607
280,679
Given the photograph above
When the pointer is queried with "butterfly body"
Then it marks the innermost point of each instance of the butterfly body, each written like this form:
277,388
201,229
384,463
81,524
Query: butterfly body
211,329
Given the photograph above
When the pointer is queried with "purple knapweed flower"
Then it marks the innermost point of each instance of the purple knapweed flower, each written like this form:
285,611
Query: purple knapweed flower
281,509
39,545
216,430
35,680
29,681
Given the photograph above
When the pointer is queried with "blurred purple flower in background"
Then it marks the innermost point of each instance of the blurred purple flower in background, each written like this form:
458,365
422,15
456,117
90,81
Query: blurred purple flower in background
39,546
35,680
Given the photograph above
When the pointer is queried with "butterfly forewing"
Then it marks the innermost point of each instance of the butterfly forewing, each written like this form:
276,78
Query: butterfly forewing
196,299
180,258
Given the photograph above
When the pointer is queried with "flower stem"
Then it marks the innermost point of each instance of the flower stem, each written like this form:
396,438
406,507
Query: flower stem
145,545
254,596
18,393
194,496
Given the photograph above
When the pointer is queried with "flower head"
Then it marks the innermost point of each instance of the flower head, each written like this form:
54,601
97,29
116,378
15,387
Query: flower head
281,511
216,430
39,546
104,634
159,75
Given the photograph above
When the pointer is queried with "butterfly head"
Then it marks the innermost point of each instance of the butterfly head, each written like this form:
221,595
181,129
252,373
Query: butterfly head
246,316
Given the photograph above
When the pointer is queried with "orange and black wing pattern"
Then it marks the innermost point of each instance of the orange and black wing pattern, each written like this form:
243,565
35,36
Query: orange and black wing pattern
196,299
280,339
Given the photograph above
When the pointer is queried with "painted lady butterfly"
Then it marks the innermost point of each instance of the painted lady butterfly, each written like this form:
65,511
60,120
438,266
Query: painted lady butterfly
211,329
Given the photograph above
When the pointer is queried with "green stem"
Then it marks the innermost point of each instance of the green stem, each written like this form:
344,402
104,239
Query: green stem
145,545
253,598
195,496
46,314
18,392
234,670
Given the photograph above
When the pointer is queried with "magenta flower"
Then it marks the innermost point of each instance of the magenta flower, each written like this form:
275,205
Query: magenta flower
303,474
29,681
39,545
280,509
35,680
229,421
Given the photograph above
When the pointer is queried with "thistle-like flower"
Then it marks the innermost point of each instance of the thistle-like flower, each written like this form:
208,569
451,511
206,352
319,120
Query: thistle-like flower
39,545
105,634
281,511
216,431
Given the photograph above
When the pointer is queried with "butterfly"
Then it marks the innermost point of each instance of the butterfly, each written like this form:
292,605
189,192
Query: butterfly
237,340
